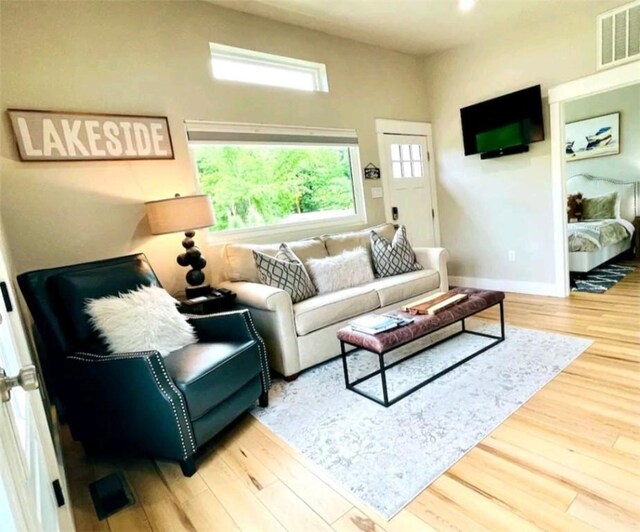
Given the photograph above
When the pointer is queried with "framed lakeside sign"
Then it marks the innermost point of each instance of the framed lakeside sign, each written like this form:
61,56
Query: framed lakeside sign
58,136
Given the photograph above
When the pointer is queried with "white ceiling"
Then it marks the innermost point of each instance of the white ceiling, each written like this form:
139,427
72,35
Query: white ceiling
412,26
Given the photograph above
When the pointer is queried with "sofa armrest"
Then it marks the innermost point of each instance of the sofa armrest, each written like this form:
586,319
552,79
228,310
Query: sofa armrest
272,311
260,296
435,259
128,400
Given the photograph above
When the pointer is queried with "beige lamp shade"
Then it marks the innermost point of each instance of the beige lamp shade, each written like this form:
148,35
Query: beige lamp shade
182,213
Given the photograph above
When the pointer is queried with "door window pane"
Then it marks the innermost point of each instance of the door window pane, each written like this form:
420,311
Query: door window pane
407,160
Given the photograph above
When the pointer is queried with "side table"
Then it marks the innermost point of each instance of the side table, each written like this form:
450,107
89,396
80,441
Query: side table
218,301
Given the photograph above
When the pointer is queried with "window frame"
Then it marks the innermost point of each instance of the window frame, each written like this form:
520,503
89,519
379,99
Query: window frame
252,57
358,218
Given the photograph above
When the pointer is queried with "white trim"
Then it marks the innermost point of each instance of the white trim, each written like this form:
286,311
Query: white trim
520,287
613,78
267,129
606,80
558,197
255,58
402,127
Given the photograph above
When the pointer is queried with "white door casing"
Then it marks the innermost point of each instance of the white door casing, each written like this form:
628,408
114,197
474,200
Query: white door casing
604,81
28,461
408,179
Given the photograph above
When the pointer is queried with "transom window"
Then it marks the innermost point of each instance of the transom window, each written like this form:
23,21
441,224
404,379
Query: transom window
406,160
265,179
248,66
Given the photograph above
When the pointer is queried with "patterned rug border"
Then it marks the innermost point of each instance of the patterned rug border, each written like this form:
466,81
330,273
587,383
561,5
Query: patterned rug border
327,475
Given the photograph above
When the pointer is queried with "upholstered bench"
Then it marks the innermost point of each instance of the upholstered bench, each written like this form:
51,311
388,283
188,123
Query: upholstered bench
422,325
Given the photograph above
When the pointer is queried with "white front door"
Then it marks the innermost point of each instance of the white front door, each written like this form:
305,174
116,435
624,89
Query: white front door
408,186
30,474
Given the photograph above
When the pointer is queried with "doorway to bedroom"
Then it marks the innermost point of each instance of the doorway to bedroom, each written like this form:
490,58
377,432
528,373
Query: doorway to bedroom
595,125
602,170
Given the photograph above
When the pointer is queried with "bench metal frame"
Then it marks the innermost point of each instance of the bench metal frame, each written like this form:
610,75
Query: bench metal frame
386,402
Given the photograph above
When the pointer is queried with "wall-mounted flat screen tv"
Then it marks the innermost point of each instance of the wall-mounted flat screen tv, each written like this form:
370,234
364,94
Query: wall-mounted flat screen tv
503,125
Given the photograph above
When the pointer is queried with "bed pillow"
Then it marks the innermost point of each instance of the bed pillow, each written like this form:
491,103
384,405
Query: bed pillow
600,207
285,271
350,268
395,257
145,319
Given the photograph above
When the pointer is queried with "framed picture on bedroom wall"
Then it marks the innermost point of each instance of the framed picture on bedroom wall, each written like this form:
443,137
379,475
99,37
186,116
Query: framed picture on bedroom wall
593,137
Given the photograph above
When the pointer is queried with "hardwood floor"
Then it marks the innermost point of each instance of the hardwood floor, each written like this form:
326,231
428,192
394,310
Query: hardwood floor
569,459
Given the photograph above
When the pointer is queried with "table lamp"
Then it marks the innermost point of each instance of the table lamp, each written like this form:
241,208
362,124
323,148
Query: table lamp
184,213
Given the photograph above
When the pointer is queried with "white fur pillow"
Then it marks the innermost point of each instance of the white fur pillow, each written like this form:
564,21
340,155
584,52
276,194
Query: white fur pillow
141,320
350,268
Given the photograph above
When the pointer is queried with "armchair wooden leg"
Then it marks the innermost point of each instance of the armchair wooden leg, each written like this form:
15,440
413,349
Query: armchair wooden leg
188,466
291,378
264,399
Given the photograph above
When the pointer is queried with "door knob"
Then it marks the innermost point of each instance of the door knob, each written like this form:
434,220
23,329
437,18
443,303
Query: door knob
27,379
394,213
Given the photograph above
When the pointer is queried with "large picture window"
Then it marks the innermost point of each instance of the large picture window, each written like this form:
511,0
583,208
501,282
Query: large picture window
270,179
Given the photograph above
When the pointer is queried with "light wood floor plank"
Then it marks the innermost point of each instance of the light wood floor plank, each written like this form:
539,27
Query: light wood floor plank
290,510
602,515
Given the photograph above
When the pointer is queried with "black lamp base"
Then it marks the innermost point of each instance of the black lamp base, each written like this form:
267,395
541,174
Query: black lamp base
197,291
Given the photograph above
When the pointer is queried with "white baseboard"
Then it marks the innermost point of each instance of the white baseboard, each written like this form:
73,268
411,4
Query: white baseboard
521,287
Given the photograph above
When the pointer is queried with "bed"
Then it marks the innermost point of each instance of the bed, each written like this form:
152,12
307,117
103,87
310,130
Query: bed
593,242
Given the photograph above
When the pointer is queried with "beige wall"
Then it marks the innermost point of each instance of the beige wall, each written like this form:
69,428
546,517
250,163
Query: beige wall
490,207
153,58
626,165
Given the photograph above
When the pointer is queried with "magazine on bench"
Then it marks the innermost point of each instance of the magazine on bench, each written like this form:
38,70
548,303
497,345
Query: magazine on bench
378,323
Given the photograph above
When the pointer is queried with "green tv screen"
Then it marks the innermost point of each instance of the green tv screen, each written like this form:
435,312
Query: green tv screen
501,137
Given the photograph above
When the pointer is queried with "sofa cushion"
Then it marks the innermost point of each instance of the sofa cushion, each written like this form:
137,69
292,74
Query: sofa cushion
337,244
404,286
207,374
327,309
240,266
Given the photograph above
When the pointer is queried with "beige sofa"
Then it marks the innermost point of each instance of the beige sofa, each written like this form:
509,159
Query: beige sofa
302,335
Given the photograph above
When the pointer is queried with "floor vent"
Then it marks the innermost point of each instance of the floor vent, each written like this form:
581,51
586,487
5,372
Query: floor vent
619,35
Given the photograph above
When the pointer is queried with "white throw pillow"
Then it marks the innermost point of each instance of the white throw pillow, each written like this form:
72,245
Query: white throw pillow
141,320
351,268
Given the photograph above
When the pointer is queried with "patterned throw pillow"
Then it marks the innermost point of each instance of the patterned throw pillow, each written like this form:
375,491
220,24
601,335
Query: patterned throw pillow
395,257
285,271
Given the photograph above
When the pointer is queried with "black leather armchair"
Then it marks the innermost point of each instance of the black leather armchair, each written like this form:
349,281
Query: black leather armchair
141,402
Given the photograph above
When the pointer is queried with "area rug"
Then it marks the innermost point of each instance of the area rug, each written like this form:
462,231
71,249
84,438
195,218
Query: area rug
600,279
386,456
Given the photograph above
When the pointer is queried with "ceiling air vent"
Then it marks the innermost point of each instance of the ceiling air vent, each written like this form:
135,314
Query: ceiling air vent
619,35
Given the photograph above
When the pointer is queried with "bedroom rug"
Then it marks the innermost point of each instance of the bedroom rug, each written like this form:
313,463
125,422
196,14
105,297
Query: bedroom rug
600,279
386,456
